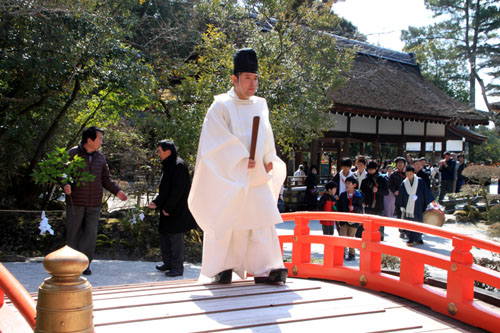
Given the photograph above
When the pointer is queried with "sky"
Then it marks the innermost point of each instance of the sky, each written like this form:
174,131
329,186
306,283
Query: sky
382,21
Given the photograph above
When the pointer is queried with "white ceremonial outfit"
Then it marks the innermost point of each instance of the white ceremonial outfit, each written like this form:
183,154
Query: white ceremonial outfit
235,206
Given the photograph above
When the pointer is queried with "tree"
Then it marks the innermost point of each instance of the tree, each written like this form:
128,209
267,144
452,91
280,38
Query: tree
489,151
298,65
466,35
61,61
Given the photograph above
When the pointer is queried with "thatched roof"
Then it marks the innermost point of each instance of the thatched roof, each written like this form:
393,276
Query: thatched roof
389,84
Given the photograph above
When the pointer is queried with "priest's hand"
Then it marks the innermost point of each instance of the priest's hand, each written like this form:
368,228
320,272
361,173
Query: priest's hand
268,166
251,163
152,205
164,212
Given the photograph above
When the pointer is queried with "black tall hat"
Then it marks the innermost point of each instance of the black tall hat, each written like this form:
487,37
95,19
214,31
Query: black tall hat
245,60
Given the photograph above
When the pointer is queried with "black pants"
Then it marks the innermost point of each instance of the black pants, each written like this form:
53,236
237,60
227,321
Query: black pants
328,229
81,228
172,251
446,187
370,211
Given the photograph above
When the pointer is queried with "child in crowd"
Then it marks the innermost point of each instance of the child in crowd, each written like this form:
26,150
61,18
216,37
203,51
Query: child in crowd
341,176
350,201
327,203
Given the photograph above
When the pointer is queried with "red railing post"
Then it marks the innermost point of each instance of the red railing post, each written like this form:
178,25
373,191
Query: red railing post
1,297
369,261
460,287
301,253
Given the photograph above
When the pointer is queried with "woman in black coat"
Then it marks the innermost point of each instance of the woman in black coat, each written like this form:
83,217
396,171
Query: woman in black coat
171,201
311,196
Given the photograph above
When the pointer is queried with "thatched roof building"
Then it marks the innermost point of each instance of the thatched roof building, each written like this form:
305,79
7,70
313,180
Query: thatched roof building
386,100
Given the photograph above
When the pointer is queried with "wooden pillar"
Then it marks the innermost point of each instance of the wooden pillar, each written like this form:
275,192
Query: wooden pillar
376,144
314,154
423,143
347,140
402,142
345,148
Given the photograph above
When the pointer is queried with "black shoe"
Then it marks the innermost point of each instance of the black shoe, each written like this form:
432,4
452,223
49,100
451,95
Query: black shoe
224,277
420,242
163,267
275,276
173,273
87,272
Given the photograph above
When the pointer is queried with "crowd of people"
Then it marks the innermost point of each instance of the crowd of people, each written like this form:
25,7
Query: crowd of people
400,189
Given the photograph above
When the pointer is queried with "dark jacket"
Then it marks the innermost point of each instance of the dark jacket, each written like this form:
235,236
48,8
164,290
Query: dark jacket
311,196
357,203
90,194
172,196
426,177
461,168
382,190
448,173
395,180
424,197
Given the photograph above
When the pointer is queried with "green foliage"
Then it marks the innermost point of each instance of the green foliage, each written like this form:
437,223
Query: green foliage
57,168
489,151
454,50
298,67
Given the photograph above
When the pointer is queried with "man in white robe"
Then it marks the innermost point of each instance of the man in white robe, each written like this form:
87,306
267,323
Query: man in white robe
234,198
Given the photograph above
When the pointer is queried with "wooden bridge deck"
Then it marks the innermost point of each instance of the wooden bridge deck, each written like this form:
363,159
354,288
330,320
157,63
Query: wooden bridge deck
300,305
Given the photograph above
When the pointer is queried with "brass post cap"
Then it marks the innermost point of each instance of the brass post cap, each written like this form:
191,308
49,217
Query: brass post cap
65,262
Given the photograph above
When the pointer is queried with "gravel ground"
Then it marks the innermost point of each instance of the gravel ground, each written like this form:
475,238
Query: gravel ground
110,272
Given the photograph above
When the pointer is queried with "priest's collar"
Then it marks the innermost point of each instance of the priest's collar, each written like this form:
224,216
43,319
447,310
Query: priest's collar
234,96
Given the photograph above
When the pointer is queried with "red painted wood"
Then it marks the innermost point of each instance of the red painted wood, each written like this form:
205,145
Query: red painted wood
458,300
18,295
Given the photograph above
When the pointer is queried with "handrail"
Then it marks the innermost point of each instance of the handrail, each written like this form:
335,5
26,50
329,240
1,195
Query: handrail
18,295
458,300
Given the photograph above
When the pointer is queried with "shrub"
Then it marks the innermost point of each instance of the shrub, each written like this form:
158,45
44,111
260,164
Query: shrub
494,214
494,230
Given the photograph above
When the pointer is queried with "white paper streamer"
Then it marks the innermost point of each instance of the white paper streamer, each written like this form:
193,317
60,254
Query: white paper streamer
45,226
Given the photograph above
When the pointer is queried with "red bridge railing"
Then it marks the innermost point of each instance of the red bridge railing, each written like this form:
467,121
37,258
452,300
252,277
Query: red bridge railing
19,296
457,301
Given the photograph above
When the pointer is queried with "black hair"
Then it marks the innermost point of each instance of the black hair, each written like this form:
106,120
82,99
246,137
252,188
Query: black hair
372,165
446,153
346,162
91,133
168,145
410,168
331,185
400,158
351,179
362,160
461,155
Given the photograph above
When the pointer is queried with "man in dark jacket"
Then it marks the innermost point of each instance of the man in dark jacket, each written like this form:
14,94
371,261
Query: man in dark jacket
447,171
374,188
171,201
395,181
83,202
413,199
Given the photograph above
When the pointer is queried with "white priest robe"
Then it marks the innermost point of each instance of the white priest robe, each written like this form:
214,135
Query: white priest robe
235,206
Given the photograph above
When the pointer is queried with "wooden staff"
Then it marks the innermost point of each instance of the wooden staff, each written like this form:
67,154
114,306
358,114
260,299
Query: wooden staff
255,134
